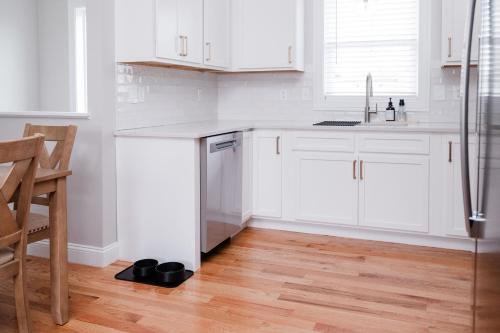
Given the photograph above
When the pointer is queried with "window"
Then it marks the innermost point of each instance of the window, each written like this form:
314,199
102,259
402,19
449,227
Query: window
490,49
78,54
381,37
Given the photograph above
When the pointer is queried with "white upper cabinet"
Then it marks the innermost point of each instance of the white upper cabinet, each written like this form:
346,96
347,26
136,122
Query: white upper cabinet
169,42
216,33
268,35
454,16
179,30
159,32
135,35
225,35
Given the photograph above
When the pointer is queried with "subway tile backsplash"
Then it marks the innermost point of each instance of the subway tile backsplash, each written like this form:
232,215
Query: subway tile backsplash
149,96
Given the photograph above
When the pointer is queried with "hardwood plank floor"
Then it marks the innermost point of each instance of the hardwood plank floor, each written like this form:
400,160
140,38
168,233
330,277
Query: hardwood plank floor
270,281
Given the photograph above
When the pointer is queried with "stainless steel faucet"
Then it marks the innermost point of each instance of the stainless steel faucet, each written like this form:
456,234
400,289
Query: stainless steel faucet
369,93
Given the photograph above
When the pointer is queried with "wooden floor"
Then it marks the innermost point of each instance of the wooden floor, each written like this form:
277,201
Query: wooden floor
271,281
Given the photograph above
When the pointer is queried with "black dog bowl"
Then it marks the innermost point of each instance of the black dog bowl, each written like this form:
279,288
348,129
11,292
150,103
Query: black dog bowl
170,272
144,268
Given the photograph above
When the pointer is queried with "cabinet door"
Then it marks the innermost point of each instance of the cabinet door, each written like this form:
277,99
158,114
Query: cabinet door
216,33
454,16
179,30
168,41
267,174
190,20
394,192
326,187
454,214
266,34
247,175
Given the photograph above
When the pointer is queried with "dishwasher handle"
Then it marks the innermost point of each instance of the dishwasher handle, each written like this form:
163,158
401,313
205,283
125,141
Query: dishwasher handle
223,145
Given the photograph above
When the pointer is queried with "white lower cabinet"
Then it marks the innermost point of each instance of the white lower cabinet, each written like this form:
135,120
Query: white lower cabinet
267,173
326,187
454,204
247,176
394,192
377,183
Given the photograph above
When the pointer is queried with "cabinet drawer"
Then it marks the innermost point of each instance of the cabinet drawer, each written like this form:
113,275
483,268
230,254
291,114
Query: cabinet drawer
326,142
396,144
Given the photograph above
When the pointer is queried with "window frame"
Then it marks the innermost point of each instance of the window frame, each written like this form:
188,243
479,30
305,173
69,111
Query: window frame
420,103
72,110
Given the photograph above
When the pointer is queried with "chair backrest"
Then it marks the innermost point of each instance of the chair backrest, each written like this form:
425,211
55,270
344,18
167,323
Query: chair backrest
17,185
64,136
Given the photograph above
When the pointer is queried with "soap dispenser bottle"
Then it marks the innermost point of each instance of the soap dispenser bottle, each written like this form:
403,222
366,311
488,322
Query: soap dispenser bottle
402,111
390,112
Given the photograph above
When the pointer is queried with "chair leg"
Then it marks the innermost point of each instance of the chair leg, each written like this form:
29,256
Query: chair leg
22,303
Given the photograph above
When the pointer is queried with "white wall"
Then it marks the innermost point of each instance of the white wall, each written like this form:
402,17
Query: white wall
53,49
19,55
92,188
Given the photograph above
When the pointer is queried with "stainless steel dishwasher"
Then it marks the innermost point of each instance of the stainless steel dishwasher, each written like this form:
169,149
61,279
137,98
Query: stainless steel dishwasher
221,188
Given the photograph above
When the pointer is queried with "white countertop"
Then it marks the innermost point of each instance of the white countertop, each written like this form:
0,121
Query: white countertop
196,130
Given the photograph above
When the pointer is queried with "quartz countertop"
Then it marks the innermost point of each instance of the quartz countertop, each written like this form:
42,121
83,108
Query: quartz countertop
196,130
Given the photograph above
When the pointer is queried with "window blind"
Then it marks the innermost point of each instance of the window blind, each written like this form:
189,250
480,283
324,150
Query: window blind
490,48
371,36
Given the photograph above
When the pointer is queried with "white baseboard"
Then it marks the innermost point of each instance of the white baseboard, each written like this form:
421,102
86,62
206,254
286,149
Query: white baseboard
365,234
79,254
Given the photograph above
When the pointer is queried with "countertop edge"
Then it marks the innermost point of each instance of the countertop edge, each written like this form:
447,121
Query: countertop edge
194,134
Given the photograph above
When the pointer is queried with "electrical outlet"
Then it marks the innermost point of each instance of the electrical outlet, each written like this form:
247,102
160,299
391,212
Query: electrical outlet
199,94
283,95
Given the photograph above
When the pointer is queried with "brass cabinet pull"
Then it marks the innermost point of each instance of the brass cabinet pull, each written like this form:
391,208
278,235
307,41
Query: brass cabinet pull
209,56
278,145
361,170
450,151
184,51
354,169
290,60
181,38
449,47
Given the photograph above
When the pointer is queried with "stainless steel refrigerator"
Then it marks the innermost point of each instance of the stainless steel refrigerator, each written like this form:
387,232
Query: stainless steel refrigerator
482,201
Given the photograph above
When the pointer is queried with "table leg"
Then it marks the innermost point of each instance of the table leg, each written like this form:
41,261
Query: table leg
59,253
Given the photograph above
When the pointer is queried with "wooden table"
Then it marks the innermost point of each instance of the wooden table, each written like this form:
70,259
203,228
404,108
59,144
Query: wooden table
53,183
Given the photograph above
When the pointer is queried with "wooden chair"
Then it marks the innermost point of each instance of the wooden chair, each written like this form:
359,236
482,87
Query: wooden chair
24,155
58,159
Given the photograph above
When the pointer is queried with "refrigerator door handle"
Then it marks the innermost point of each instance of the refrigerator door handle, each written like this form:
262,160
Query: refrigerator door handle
464,117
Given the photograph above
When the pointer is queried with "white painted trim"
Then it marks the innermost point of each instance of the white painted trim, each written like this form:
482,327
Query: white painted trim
79,254
365,234
44,114
355,105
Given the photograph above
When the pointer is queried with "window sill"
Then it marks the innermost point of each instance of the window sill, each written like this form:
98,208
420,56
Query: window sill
44,114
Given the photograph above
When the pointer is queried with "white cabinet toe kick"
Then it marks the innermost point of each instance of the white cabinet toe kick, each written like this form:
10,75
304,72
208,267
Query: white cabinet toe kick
396,187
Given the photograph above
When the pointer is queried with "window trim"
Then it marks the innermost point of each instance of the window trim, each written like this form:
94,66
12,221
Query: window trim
356,103
44,114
